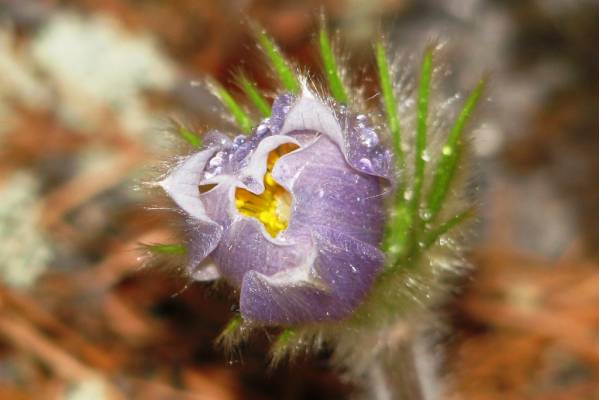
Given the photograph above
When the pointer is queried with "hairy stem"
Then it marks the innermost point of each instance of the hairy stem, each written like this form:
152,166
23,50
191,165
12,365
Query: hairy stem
404,371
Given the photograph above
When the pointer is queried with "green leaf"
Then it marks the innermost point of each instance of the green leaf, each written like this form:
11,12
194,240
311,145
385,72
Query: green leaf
432,236
232,326
330,66
233,334
283,340
421,130
397,235
241,118
169,249
450,155
250,90
189,136
389,101
278,61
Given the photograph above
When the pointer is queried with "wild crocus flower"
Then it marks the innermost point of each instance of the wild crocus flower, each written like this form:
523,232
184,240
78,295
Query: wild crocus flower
292,215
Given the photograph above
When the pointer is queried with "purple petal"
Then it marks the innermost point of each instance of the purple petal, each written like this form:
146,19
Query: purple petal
364,150
252,175
327,192
181,184
280,108
322,266
202,237
361,147
341,275
246,246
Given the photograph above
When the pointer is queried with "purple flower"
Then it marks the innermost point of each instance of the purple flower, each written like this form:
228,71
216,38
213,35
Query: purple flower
292,215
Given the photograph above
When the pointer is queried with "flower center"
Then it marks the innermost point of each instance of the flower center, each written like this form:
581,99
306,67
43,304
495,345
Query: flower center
273,206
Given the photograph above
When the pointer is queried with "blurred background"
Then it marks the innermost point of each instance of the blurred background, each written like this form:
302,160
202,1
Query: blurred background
86,91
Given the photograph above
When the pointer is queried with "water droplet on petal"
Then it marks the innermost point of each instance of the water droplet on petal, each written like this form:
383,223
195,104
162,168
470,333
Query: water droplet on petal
365,164
238,141
368,137
261,130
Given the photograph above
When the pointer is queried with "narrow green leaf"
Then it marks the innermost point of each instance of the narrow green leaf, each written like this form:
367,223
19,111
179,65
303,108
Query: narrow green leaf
283,346
189,136
330,66
250,90
389,101
397,235
169,249
233,334
232,326
283,340
279,63
432,236
243,120
421,130
450,154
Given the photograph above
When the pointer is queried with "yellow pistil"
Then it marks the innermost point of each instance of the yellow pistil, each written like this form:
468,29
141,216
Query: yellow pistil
273,206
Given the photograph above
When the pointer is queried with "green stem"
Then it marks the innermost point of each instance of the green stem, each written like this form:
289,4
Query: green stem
250,90
450,155
330,66
389,102
278,61
241,118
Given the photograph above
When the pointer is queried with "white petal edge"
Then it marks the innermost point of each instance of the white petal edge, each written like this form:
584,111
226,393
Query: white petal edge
308,113
181,184
206,271
301,275
256,167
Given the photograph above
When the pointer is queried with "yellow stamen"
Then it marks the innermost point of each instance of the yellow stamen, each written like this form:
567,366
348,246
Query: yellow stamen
273,206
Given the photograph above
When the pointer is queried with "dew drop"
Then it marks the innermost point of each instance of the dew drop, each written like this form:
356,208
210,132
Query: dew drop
365,164
217,160
261,130
368,137
239,140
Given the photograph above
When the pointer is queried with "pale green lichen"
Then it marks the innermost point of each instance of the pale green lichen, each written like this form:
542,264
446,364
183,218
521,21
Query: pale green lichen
24,247
85,58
